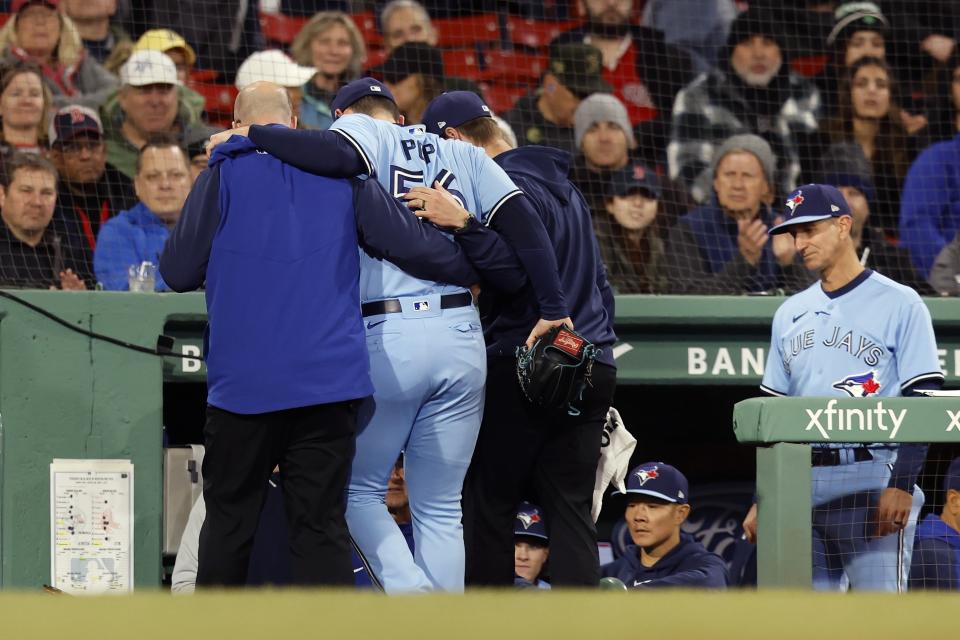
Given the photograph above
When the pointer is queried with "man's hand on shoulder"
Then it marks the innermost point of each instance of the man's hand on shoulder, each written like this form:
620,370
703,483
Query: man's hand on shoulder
438,206
223,136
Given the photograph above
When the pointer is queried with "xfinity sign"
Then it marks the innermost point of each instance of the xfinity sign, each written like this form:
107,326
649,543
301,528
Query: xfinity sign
868,419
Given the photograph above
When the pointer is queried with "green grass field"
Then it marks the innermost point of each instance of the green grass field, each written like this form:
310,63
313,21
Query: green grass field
281,615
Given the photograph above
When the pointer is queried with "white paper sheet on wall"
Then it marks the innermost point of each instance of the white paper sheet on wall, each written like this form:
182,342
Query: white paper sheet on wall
91,526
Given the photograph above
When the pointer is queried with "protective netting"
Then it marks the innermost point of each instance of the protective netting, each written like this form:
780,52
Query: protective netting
709,114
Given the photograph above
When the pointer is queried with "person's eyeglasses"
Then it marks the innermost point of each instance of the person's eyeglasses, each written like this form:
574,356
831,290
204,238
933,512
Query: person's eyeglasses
77,147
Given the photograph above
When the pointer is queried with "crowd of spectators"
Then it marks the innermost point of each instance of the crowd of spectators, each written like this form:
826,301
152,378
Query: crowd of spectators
688,121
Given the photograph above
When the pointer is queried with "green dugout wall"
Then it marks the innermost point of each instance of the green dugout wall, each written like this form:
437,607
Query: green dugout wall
65,395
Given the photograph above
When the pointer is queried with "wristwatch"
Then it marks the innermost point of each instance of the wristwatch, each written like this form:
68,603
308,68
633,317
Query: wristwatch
468,224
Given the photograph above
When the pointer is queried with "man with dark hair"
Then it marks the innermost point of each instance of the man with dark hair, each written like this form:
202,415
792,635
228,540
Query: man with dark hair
138,234
556,451
34,253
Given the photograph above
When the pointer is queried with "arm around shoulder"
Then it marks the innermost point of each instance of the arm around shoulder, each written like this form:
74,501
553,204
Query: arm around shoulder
183,263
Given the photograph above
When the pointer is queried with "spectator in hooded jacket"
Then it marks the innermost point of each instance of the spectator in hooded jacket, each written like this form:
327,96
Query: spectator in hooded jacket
753,91
658,503
39,33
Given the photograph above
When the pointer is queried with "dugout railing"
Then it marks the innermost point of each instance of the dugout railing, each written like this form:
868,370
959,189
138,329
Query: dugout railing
785,428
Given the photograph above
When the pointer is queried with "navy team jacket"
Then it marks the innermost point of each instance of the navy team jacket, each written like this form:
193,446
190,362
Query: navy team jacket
686,565
278,249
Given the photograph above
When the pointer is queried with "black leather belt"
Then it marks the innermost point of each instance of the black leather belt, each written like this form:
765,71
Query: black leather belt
449,301
833,458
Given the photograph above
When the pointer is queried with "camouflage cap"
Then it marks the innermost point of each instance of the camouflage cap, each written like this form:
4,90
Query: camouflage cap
579,68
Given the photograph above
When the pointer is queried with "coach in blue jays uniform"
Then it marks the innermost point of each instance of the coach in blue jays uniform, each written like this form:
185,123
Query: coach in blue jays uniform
658,503
855,333
426,347
554,451
285,346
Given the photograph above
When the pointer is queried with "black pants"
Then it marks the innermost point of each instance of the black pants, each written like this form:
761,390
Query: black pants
557,453
314,447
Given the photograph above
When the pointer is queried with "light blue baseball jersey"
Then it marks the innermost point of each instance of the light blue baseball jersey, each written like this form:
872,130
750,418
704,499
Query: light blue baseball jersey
403,157
873,337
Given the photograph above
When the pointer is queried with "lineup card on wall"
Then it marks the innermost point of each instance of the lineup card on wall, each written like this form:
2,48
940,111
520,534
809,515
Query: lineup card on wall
91,526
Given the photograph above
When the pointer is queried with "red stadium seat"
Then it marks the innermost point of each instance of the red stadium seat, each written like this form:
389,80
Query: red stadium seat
203,75
502,97
536,34
279,28
367,24
513,67
467,31
219,99
375,57
809,66
3,18
462,63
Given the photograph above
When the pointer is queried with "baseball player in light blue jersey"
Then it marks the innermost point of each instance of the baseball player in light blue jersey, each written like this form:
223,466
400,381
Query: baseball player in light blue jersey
855,333
427,353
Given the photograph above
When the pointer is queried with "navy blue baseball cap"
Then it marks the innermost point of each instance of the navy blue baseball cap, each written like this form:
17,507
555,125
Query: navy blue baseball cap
353,91
659,480
810,203
635,178
952,480
452,109
529,522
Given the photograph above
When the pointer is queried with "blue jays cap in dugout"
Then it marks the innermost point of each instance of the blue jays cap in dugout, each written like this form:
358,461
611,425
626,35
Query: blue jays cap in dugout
811,203
951,482
530,522
353,91
658,480
452,109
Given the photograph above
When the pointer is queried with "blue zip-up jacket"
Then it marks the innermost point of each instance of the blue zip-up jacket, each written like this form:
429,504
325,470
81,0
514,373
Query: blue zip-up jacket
936,556
686,565
278,249
127,239
541,173
930,203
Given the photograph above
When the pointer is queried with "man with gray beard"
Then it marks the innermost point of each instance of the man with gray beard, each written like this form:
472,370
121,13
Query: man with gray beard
752,91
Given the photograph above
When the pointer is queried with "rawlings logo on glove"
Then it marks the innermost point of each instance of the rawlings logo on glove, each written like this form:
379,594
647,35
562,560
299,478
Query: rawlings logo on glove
554,372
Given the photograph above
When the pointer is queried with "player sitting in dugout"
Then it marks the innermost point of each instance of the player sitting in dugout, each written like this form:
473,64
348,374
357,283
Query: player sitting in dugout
530,547
661,555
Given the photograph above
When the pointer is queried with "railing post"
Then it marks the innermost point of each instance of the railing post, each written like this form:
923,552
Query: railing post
784,546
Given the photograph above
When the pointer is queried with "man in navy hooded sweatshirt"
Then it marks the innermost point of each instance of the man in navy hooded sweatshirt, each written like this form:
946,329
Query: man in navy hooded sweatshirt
285,346
661,554
519,444
936,550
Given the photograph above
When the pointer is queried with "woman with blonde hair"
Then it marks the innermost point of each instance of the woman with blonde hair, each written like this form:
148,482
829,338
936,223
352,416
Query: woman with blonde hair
331,43
25,106
37,32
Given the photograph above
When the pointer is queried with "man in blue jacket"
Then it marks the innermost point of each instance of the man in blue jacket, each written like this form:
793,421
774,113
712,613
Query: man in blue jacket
285,346
520,444
661,554
936,550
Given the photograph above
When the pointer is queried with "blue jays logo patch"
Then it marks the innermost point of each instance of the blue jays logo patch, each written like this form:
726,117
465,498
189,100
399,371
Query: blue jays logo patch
795,202
528,519
860,385
646,474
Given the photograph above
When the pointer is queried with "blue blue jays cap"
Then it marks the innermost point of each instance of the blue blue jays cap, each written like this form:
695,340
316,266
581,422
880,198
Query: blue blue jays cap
452,109
952,480
659,480
811,203
353,91
529,522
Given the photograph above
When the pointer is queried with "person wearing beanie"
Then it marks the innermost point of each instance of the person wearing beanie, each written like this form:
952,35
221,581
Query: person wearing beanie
722,246
605,142
752,91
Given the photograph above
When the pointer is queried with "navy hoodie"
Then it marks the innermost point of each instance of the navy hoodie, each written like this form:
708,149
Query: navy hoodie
686,565
278,249
541,173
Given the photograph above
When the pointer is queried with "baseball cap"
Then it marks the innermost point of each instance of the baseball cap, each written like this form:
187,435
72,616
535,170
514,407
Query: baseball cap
578,67
452,109
659,480
411,58
163,40
353,91
16,5
148,66
856,16
72,120
632,179
601,107
810,203
530,522
274,66
952,480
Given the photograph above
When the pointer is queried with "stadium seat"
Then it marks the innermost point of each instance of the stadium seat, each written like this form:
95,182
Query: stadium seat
367,24
375,57
203,75
513,67
809,66
467,31
279,28
463,63
219,101
502,97
3,18
536,34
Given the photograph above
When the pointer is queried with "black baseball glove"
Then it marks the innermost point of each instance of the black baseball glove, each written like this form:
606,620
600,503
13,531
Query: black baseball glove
554,372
